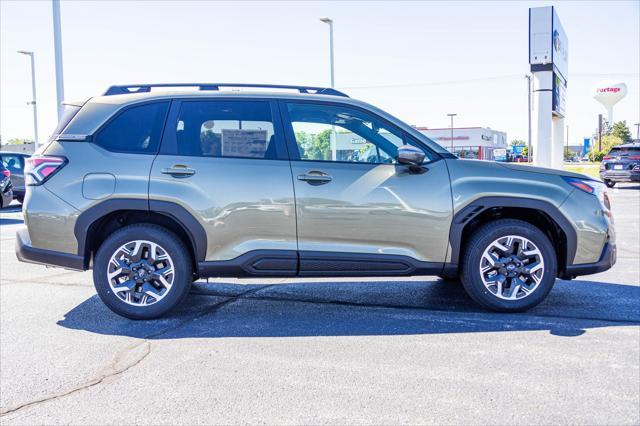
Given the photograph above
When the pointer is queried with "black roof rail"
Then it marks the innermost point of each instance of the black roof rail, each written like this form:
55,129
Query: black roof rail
144,88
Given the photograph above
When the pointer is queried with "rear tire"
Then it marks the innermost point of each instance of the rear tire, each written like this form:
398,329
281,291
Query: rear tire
609,183
142,271
510,280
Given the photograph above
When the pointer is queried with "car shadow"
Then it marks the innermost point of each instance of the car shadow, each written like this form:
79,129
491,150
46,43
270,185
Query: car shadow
362,308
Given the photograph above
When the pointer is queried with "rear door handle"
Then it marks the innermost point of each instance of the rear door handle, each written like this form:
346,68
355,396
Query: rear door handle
179,170
315,177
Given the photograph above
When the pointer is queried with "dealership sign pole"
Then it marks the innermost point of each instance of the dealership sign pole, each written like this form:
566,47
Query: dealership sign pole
548,57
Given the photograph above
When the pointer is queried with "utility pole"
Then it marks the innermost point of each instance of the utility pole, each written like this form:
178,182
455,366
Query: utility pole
452,115
329,21
567,150
529,156
33,94
57,48
599,132
637,131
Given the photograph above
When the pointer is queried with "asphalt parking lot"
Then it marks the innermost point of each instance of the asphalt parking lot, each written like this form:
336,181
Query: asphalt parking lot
322,351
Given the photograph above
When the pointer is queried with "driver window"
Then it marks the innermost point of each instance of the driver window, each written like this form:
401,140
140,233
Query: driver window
336,133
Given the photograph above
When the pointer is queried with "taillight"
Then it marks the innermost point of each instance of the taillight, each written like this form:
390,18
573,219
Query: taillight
634,157
40,168
606,157
602,167
6,172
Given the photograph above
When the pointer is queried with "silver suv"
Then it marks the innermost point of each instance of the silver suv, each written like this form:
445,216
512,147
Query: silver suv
154,189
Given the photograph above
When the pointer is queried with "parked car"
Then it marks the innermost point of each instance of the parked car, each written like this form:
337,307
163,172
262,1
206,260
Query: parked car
621,164
155,189
15,162
519,158
6,187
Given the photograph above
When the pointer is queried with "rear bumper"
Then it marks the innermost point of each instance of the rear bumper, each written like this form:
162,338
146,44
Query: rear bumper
607,260
620,176
26,253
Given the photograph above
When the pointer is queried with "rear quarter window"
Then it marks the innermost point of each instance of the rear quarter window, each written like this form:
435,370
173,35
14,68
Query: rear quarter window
624,152
137,129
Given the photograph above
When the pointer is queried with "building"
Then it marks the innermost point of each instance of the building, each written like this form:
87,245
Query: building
482,143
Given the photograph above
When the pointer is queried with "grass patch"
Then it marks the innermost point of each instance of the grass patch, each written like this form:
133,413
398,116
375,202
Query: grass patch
589,169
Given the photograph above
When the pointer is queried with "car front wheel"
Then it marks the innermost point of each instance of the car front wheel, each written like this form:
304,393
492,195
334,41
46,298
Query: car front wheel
509,266
142,271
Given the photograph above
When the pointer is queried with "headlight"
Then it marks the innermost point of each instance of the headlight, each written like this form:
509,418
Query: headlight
593,187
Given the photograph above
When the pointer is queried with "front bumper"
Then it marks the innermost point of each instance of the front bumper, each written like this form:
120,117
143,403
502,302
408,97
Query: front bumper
606,261
620,175
25,252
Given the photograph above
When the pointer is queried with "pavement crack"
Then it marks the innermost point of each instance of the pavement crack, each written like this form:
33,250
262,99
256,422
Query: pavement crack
126,358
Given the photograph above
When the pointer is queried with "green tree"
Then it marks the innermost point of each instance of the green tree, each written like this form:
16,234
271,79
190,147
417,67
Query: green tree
517,142
315,147
621,131
525,151
567,154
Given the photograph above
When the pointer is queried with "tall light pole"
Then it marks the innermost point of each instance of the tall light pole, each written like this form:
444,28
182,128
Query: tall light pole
452,115
329,21
637,131
33,94
529,156
57,48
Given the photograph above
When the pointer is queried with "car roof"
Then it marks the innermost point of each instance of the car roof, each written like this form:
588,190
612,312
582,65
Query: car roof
628,145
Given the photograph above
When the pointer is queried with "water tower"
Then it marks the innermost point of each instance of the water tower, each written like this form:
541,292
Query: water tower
609,93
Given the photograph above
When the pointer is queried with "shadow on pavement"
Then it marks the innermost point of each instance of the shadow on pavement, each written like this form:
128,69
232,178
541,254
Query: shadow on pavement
363,308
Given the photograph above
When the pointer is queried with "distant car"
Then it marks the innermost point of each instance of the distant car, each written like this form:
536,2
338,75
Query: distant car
520,158
6,192
621,164
14,162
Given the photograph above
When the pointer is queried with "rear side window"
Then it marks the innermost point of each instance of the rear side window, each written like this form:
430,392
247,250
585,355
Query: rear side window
241,129
135,130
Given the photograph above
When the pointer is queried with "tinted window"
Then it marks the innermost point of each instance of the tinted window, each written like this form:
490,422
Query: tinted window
624,152
136,129
336,133
226,129
13,163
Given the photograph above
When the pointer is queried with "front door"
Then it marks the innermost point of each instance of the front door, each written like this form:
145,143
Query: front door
358,211
225,162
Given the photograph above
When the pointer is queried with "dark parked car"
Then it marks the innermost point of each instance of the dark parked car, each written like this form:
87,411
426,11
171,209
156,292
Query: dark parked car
621,164
14,162
6,192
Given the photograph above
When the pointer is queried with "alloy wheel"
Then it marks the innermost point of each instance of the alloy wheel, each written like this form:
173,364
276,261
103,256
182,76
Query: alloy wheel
512,267
140,273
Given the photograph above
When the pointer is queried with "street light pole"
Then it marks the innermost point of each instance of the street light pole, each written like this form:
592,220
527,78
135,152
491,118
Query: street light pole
329,21
637,131
529,156
452,115
57,49
33,94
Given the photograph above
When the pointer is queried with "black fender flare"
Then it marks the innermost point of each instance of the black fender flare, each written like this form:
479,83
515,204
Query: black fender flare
476,207
179,214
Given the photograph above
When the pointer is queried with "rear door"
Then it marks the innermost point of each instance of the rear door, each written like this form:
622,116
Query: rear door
358,212
225,162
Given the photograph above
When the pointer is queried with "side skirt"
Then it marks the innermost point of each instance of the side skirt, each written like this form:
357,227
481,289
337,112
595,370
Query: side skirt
289,263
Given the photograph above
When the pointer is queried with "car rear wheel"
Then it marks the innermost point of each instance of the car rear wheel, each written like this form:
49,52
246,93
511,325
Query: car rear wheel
142,271
509,266
609,183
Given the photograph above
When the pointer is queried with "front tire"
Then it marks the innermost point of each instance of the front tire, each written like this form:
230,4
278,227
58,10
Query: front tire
509,266
142,271
609,183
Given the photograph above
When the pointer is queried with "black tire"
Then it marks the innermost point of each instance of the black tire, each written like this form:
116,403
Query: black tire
171,244
481,239
609,183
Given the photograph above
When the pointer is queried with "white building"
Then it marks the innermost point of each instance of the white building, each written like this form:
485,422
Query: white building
481,143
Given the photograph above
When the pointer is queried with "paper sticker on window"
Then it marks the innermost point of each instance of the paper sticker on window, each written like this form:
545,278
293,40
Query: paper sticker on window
244,143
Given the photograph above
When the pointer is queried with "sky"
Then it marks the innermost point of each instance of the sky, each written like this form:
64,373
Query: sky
416,60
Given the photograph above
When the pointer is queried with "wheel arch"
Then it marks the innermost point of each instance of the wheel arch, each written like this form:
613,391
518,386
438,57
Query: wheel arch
96,223
539,213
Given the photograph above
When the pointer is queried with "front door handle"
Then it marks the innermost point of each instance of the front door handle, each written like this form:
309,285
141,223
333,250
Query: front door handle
315,177
179,170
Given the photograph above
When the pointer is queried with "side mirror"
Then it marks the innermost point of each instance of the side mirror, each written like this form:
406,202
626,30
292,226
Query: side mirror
410,155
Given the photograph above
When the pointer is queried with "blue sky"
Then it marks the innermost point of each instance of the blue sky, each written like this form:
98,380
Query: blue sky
417,60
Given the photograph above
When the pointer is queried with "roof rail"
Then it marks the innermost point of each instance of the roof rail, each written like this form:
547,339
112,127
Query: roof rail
143,88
